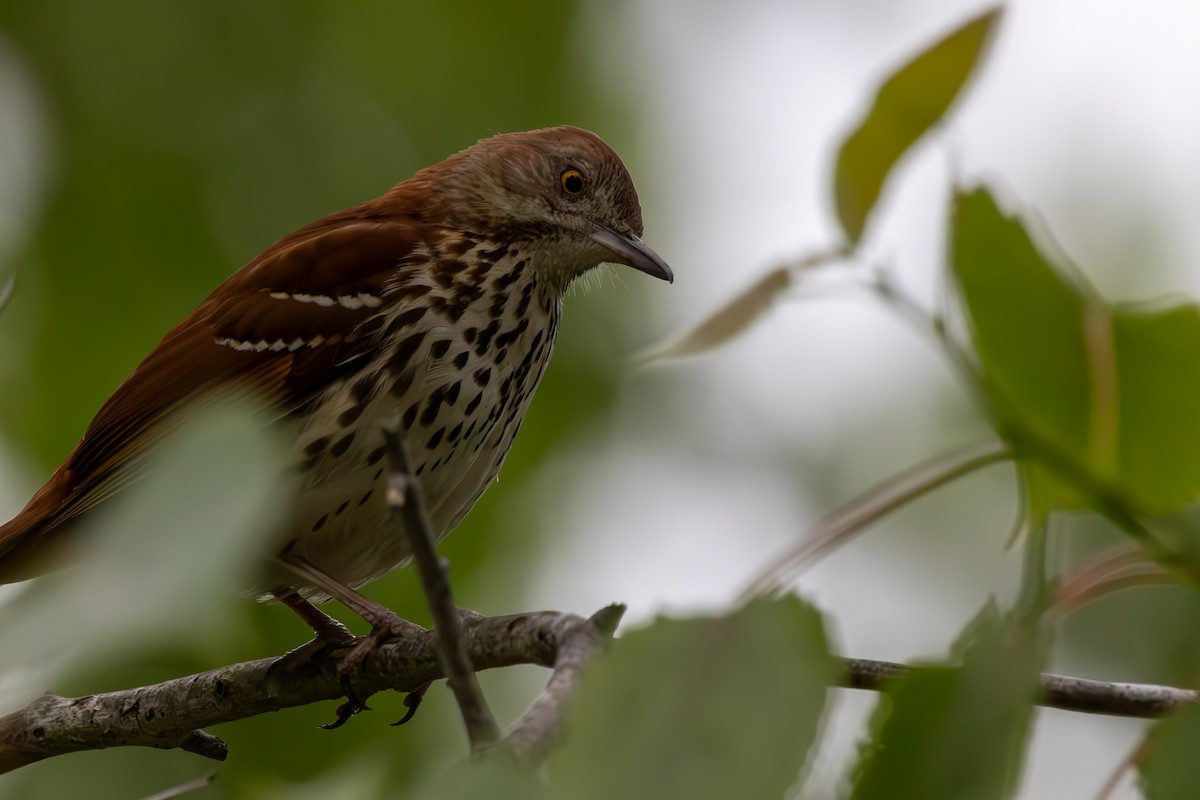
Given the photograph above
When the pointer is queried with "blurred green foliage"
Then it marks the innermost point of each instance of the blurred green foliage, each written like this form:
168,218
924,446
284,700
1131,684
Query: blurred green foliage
182,138
958,730
701,708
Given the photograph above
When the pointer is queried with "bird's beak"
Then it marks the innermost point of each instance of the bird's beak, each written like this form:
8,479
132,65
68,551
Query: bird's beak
631,251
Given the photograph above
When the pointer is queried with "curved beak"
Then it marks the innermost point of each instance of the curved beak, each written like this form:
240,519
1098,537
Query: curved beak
631,251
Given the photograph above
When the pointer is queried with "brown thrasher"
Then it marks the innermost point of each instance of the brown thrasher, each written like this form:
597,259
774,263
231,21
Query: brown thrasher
433,307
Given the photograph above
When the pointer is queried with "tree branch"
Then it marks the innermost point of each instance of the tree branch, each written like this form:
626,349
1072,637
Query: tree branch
1058,691
172,714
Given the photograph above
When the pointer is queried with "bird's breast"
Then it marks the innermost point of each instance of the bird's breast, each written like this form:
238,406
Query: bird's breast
453,366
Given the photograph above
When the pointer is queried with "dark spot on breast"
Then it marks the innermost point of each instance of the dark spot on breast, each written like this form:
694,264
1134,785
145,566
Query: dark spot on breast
460,360
523,306
351,414
408,318
404,352
443,278
402,383
439,348
410,415
482,376
453,312
469,335
419,470
342,445
451,264
320,523
508,337
485,337
436,397
341,508
470,430
452,393
497,306
363,388
454,433
376,456
378,473
501,354
496,253
474,404
523,369
511,277
317,445
436,439
366,497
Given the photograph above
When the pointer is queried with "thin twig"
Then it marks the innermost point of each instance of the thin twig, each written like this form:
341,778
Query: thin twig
876,502
405,499
1147,701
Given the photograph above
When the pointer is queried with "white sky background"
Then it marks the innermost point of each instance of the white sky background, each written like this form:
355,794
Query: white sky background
1088,112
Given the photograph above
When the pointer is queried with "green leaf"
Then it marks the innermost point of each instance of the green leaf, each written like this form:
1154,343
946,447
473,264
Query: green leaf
1169,767
957,731
166,560
911,101
1158,384
1028,334
700,708
1100,399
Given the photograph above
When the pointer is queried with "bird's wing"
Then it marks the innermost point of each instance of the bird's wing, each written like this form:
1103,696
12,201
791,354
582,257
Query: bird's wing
276,332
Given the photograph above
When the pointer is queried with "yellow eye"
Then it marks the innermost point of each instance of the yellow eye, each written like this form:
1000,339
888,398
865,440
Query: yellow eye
573,182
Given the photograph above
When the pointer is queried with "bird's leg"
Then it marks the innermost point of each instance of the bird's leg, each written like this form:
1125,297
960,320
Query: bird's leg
385,623
329,632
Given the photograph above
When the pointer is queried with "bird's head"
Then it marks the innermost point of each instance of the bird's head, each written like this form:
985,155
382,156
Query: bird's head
562,188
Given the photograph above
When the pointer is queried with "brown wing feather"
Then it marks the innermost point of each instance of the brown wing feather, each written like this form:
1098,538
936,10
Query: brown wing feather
351,258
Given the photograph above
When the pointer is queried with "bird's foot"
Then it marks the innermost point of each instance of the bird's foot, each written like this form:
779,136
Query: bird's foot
386,625
412,701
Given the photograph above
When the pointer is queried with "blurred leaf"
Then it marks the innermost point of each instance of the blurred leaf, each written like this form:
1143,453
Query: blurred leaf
1028,334
1158,384
912,100
1111,392
1168,764
957,731
162,561
728,321
700,708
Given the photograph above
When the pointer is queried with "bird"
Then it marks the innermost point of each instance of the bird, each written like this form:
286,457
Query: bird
432,309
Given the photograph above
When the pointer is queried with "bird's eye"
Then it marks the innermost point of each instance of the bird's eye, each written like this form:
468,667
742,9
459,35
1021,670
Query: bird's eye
573,182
